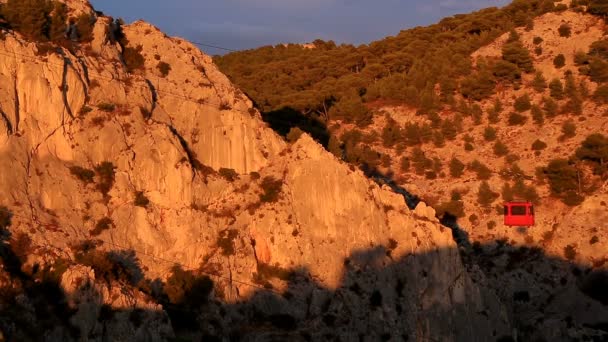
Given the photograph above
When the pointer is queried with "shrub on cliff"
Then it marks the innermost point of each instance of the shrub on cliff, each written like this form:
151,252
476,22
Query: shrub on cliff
105,172
538,145
557,89
141,200
517,119
522,103
568,130
29,17
85,175
271,188
84,27
500,149
485,195
559,61
186,288
164,68
539,83
103,224
564,181
517,54
564,30
483,172
456,167
133,58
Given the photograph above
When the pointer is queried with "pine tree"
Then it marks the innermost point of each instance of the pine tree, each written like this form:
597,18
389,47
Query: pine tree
84,25
29,17
485,195
514,51
522,103
570,87
539,83
59,19
494,112
537,115
489,133
550,107
507,192
559,61
456,167
556,88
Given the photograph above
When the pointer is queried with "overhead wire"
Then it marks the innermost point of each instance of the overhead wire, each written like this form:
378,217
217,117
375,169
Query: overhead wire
212,46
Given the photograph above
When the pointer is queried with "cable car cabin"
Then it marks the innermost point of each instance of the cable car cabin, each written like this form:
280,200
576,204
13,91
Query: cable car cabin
519,214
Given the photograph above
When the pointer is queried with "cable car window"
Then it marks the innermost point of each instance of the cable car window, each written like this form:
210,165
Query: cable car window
531,210
506,212
518,210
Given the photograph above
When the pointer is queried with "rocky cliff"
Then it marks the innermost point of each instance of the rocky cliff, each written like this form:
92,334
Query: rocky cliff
171,164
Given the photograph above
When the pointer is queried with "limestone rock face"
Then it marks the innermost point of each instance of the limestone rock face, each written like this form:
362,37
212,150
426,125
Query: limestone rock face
89,151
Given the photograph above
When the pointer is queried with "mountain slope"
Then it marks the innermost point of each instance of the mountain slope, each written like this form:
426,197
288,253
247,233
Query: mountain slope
518,123
142,195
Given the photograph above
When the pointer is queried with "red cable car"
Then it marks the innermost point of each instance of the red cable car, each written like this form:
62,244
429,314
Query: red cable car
519,214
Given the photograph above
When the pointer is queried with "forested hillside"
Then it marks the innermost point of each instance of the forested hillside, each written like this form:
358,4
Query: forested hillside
479,109
334,81
336,92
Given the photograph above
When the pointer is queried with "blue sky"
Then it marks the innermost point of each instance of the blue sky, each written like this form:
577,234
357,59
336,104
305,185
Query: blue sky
243,24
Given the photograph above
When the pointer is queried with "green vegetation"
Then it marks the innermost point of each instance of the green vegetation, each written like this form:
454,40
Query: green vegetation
489,133
45,20
538,145
564,30
556,89
483,172
84,27
539,83
598,7
164,68
594,149
568,130
340,80
85,175
225,241
133,58
106,107
537,115
522,103
517,119
105,173
601,94
187,288
454,207
228,174
564,181
141,200
550,107
485,195
570,252
271,188
456,167
500,149
559,61
103,224
110,266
